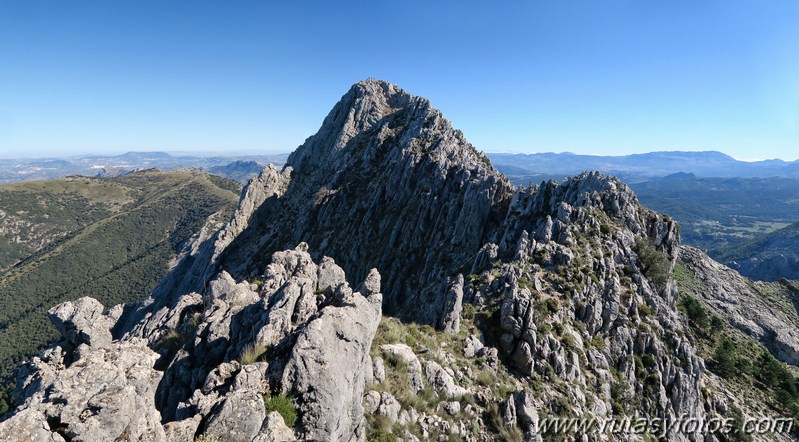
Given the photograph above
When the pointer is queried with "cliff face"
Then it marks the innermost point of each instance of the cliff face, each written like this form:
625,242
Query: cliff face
516,305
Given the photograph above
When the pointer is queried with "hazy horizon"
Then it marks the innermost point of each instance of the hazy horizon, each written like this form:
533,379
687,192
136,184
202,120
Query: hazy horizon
608,78
246,153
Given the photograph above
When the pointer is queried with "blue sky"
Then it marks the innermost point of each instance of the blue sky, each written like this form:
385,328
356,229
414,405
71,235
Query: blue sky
593,77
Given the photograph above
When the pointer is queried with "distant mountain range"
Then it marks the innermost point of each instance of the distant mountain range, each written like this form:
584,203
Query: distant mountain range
521,168
640,166
721,203
241,167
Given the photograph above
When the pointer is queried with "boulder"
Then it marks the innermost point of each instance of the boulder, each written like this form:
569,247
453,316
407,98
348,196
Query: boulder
238,417
325,370
401,353
274,429
82,322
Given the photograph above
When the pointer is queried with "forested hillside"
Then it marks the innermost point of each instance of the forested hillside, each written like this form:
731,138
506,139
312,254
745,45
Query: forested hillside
112,239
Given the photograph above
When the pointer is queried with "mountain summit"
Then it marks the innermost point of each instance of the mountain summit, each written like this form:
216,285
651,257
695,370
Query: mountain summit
386,182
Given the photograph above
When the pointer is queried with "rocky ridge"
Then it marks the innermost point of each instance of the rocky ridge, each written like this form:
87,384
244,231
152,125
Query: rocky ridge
514,305
205,369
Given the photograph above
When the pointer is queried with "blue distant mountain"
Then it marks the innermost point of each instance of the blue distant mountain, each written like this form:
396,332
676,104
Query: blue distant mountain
238,167
642,166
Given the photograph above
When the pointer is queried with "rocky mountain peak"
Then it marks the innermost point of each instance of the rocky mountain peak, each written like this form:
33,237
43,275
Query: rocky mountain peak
375,117
385,176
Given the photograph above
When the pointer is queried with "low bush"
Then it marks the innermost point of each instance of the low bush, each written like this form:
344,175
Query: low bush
693,308
283,405
654,264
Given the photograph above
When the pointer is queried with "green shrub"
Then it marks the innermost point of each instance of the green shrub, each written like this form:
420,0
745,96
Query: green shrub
770,370
605,229
738,433
693,308
654,264
598,343
645,310
382,435
468,312
725,358
548,306
569,342
744,366
171,340
640,370
716,324
283,405
774,374
486,378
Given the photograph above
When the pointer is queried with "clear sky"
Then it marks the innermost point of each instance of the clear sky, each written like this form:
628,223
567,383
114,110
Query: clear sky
594,77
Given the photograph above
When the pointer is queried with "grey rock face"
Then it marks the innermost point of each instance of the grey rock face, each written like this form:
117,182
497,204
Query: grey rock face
472,346
107,395
450,321
314,330
403,354
389,407
442,382
82,322
29,425
199,260
181,431
520,411
748,306
257,309
326,368
237,418
224,287
378,370
275,430
587,230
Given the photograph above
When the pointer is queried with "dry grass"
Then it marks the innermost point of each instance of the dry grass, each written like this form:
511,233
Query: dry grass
253,353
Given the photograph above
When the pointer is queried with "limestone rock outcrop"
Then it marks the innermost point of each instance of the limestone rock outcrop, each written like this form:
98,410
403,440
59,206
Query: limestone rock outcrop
304,333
